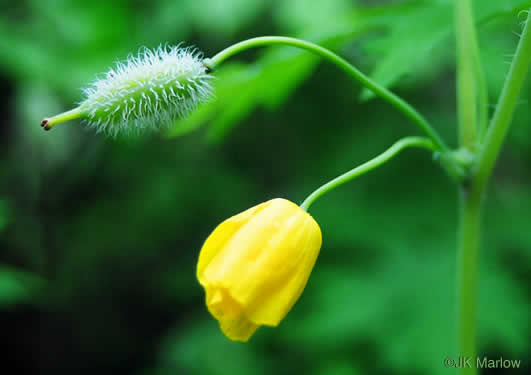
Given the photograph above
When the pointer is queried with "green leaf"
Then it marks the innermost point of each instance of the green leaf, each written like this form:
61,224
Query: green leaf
413,43
286,73
418,43
240,89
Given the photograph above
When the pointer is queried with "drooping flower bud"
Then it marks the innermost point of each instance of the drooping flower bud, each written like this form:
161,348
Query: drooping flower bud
255,265
146,92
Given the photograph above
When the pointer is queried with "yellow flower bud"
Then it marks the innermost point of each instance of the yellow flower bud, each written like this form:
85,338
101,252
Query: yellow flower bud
255,265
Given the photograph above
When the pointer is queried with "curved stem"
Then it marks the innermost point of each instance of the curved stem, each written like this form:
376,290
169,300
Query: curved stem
420,142
343,64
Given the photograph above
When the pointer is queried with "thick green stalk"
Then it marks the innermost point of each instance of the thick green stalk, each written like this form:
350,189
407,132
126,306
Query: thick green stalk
384,157
343,64
467,276
472,196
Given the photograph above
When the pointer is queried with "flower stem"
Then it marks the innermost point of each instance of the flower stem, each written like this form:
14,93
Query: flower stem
379,90
50,122
420,142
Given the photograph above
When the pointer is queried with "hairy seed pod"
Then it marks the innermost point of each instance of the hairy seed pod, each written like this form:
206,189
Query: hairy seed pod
146,92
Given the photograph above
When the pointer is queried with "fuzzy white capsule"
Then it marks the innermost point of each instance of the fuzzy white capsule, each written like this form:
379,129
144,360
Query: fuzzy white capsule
147,92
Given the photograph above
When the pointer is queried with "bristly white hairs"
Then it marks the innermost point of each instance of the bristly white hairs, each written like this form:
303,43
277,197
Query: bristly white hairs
148,91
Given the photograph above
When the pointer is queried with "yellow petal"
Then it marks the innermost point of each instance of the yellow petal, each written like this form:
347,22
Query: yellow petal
241,263
232,320
255,265
278,301
266,264
220,236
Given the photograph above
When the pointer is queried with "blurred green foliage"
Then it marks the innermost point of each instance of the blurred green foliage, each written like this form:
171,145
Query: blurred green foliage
99,237
3,214
17,287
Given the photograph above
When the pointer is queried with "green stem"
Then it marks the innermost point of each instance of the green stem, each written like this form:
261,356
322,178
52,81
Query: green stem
472,196
379,90
400,145
483,99
472,100
505,109
50,122
467,273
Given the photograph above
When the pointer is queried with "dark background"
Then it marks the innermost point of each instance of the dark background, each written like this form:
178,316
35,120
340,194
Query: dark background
99,237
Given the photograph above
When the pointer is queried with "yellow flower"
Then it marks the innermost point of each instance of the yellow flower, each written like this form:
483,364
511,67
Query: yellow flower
255,265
